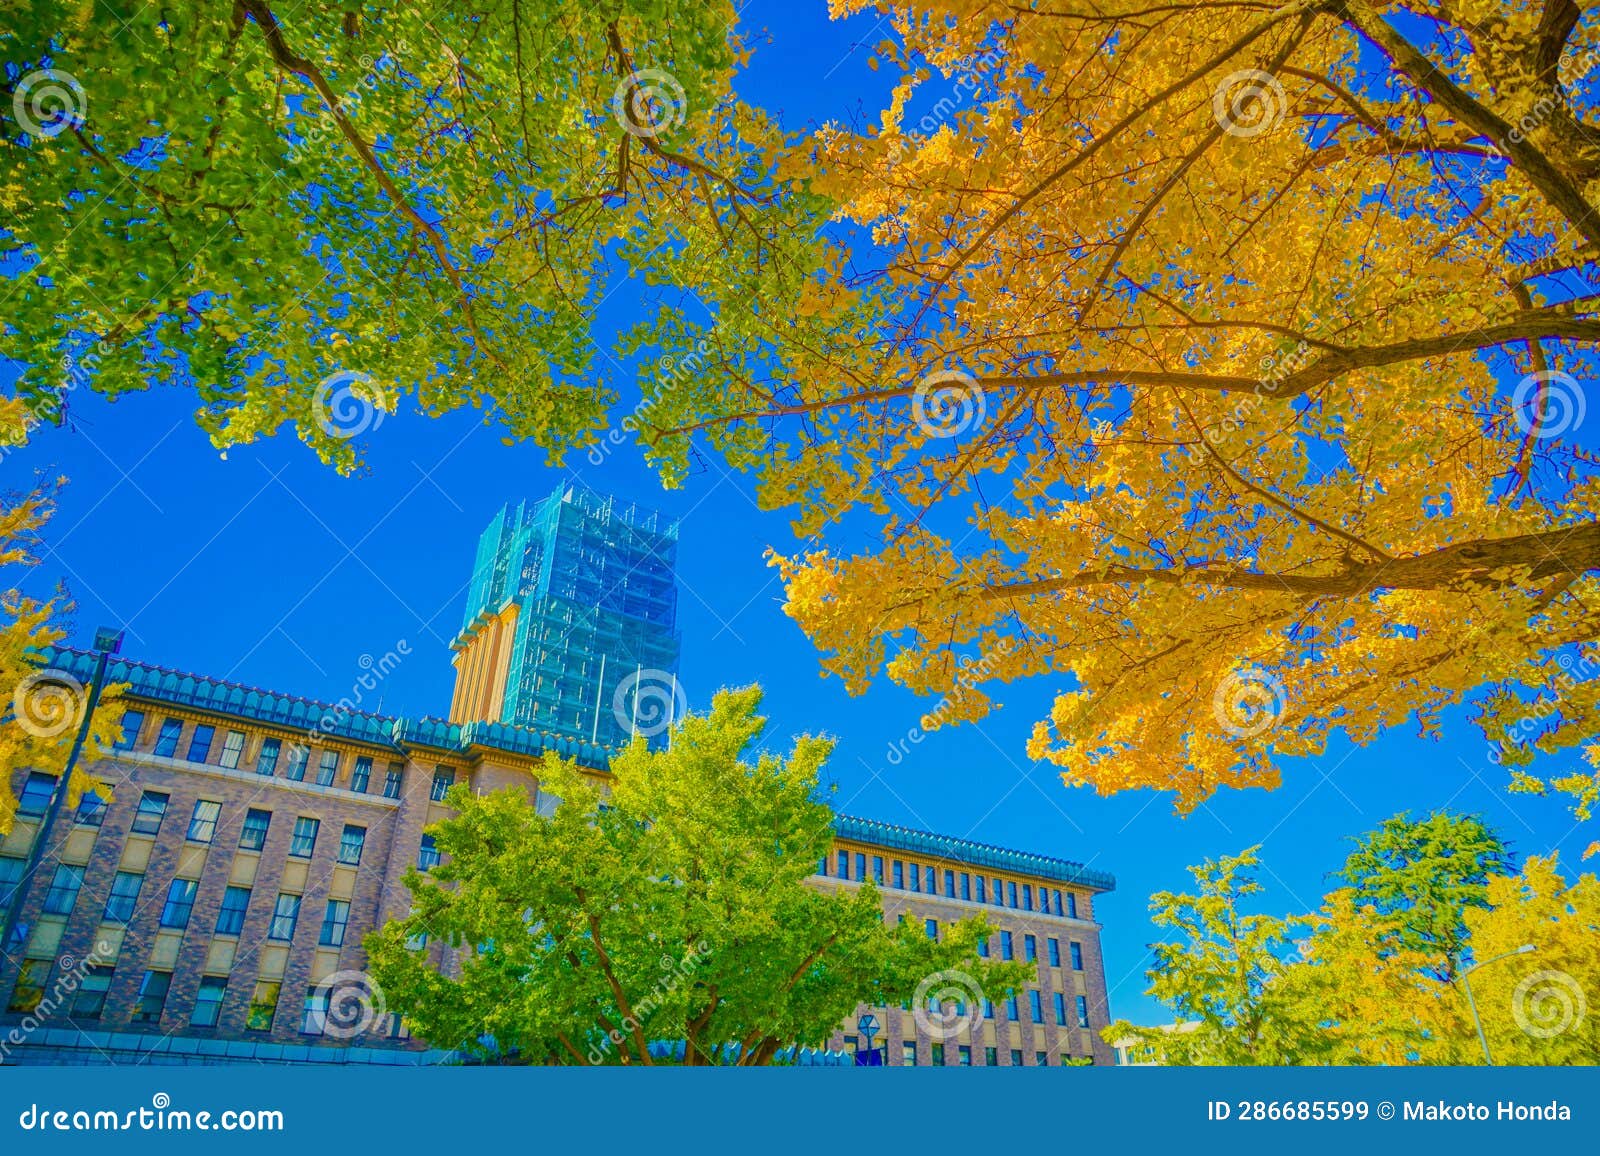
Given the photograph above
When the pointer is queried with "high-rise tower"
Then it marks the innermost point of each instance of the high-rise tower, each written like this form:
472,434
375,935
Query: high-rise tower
570,620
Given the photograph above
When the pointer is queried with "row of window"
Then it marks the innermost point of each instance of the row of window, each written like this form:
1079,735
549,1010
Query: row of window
295,758
89,998
1030,950
964,1054
957,885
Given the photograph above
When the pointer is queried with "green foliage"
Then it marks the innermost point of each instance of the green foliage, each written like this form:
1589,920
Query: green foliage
1422,876
307,213
675,901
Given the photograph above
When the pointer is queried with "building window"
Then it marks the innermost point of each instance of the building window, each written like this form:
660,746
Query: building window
1055,900
208,1001
232,750
299,759
916,876
36,792
91,810
932,928
334,918
998,890
30,985
1011,1008
361,775
11,868
1030,948
966,886
443,779
933,881
63,893
991,1057
949,884
938,1055
203,823
152,808
908,1054
963,1056
1076,955
1011,895
253,835
1006,950
1035,1007
988,1009
180,903
983,948
392,778
1016,1057
90,998
1083,1011
167,738
267,759
263,1006
328,768
351,843
200,743
152,997
822,866
124,896
1065,1059
897,874
235,903
427,854
304,839
861,868
1027,897
1041,1059
285,916
132,724
877,870
844,864
1061,1009
315,1016
1072,905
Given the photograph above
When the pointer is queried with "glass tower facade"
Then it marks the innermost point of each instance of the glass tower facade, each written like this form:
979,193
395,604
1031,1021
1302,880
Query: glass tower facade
570,624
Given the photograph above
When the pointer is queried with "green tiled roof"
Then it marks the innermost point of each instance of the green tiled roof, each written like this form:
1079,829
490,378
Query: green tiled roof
966,851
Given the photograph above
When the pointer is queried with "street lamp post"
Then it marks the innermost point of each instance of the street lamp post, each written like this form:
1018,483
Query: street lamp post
106,642
1464,972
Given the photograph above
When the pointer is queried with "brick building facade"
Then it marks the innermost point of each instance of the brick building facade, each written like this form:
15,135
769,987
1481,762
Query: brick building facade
214,908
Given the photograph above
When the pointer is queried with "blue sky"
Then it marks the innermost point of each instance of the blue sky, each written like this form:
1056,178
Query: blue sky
269,569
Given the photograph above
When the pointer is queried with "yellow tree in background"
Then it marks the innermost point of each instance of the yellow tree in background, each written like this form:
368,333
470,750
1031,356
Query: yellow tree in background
42,711
1225,362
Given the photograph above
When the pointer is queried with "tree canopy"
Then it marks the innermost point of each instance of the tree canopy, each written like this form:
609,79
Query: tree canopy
1362,980
1221,362
676,901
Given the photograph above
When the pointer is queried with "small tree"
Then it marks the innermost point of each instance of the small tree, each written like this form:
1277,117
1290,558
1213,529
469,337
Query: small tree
675,901
1421,876
1221,975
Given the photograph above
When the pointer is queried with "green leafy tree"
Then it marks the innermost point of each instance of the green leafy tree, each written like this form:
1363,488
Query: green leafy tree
1218,977
1421,877
674,900
308,212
